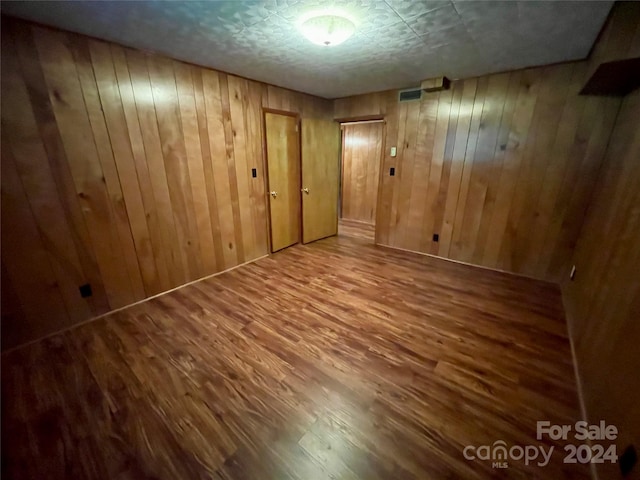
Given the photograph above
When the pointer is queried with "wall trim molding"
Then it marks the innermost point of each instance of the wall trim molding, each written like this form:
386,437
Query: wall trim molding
576,369
460,262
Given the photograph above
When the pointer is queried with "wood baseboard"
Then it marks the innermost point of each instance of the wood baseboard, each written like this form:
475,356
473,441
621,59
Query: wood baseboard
89,320
576,369
484,267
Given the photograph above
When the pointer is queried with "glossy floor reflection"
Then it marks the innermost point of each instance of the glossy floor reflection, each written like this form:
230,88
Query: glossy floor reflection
335,359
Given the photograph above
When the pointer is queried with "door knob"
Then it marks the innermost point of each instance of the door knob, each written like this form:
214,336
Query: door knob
306,190
274,194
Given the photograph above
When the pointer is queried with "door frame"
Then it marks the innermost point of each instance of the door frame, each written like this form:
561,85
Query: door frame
265,156
366,119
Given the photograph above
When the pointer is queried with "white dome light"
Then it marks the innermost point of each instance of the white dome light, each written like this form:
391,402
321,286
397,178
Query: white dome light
327,30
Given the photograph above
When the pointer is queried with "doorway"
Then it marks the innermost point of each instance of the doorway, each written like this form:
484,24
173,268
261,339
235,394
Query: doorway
362,145
283,178
303,177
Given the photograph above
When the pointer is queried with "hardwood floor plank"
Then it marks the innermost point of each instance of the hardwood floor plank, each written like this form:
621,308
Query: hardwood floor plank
355,229
336,359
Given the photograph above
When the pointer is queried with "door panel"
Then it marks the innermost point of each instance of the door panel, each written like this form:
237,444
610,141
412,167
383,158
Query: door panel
361,154
320,178
283,168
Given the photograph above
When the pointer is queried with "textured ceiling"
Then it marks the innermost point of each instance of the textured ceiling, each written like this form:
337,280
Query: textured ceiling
397,43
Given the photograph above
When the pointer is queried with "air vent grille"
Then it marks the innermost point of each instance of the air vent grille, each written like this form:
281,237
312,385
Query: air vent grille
409,95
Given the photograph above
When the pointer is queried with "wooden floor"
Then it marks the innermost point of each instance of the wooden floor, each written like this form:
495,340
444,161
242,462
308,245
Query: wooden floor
355,229
336,359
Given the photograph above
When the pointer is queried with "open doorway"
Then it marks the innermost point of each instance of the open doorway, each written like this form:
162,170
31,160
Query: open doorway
362,145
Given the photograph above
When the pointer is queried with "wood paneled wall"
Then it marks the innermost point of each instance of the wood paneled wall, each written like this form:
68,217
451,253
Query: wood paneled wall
501,167
603,302
127,171
361,155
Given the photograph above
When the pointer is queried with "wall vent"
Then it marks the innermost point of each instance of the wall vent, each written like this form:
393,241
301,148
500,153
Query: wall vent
409,95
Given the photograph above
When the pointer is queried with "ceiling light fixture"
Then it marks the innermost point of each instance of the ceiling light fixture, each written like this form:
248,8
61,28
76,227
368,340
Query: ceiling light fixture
327,30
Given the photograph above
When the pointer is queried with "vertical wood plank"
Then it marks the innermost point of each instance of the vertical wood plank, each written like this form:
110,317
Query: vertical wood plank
518,134
582,189
237,100
554,176
165,97
24,148
231,177
494,171
207,166
385,188
257,185
458,233
457,164
142,168
441,199
483,161
419,187
395,181
75,104
27,262
348,162
147,118
553,97
196,179
23,43
217,141
435,171
125,168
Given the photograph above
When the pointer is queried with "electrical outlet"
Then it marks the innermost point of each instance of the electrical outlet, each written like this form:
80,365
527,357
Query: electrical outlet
436,237
254,172
572,274
85,290
392,171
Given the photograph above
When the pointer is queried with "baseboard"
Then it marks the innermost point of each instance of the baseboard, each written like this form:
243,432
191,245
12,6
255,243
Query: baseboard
576,370
359,222
475,265
102,315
